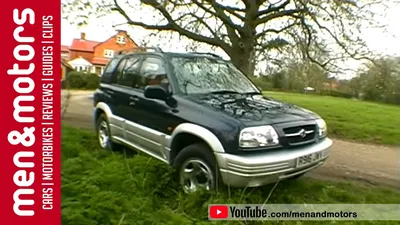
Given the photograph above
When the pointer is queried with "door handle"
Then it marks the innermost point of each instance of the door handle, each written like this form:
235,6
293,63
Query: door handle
134,98
110,92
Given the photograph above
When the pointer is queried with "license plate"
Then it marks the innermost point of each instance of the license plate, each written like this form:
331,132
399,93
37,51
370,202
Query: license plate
308,159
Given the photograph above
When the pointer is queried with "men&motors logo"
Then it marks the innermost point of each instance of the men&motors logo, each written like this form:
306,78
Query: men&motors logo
218,212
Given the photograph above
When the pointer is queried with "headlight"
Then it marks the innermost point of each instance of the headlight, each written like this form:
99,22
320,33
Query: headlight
263,136
322,128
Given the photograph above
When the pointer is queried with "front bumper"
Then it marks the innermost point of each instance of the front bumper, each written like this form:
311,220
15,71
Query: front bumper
264,168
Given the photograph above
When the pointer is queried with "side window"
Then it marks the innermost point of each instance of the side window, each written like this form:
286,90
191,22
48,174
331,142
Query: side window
111,65
127,71
107,75
131,72
153,72
119,71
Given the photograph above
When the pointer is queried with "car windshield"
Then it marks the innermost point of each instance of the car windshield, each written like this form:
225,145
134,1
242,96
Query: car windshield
202,75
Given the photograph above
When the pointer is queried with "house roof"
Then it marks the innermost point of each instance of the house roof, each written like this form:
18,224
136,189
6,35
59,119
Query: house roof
83,45
79,62
100,61
64,48
65,63
118,31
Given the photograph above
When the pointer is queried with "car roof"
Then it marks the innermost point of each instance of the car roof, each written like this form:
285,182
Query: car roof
192,54
177,54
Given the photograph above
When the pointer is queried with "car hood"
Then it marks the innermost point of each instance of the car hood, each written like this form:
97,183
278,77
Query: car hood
254,109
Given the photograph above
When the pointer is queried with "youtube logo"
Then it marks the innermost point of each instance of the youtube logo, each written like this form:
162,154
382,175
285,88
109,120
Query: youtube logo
218,212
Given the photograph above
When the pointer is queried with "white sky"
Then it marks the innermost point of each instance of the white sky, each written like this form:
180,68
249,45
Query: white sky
383,42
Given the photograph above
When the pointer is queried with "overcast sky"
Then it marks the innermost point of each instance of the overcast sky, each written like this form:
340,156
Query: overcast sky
380,41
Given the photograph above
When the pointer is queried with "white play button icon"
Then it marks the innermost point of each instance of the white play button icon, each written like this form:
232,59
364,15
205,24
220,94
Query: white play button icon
218,212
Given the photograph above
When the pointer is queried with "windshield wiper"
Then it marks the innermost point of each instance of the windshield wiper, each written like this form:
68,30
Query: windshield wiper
223,92
252,93
234,92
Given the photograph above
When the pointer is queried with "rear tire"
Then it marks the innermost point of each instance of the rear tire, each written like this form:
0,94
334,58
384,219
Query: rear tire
104,135
197,168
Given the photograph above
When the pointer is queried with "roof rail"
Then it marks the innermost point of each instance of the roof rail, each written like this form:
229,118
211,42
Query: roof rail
207,53
138,49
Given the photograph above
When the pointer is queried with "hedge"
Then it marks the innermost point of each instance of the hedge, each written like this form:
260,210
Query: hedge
335,93
261,84
81,80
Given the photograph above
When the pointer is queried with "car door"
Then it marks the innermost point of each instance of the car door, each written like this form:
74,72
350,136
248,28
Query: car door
149,118
153,113
110,96
122,85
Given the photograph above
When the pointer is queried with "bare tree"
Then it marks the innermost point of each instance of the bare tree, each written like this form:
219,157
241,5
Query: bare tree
250,30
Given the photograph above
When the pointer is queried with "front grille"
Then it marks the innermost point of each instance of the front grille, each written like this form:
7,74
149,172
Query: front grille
300,135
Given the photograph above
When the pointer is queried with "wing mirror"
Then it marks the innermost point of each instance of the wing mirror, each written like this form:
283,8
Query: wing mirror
155,92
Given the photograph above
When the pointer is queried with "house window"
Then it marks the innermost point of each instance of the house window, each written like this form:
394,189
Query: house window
108,53
99,70
64,55
81,68
121,39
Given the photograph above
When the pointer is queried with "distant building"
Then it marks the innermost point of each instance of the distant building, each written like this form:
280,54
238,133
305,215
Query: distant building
331,84
64,52
65,68
93,56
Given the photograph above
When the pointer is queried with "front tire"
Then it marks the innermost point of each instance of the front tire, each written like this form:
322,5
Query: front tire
104,135
197,168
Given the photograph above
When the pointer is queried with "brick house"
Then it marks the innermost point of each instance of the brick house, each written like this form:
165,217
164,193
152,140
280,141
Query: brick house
64,52
331,84
93,56
65,68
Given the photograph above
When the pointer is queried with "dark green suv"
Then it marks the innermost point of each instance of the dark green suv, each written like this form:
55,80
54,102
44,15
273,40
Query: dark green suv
201,115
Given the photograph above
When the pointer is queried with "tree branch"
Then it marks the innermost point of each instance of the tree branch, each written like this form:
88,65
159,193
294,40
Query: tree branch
219,13
308,44
232,10
271,8
276,31
289,12
338,42
170,26
117,8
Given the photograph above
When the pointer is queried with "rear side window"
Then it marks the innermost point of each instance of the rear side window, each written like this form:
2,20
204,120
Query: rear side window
108,72
111,65
119,71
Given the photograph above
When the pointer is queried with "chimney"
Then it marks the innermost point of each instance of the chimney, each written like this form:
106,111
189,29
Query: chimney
83,36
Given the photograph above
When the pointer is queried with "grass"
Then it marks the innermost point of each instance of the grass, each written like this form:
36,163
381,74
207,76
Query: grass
105,188
351,119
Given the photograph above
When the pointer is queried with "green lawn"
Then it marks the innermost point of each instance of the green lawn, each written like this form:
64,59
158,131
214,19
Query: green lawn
100,187
351,119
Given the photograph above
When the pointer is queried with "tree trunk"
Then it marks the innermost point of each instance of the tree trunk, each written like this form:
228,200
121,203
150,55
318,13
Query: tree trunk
244,61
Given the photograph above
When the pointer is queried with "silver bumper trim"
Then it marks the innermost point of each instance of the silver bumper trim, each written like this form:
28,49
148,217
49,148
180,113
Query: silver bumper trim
268,167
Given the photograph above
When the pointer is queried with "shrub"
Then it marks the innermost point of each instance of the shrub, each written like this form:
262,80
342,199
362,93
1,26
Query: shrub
75,80
261,83
335,93
64,84
92,81
81,80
